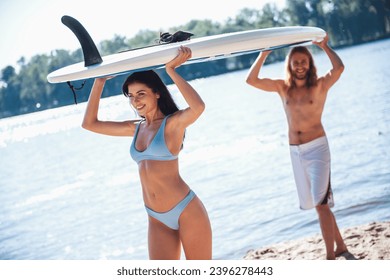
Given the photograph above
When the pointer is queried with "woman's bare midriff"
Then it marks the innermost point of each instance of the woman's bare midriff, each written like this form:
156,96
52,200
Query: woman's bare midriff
164,188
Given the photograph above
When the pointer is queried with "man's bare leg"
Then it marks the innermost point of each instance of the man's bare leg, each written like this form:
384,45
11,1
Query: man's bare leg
327,225
340,245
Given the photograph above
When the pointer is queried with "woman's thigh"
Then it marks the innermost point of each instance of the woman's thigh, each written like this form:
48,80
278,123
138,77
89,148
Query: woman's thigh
195,231
163,242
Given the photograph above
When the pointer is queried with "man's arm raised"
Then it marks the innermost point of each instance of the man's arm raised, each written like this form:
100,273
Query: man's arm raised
253,78
337,65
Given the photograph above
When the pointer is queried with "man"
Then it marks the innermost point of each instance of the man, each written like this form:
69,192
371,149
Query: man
303,95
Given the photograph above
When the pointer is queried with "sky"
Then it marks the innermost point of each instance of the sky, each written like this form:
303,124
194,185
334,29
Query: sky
30,27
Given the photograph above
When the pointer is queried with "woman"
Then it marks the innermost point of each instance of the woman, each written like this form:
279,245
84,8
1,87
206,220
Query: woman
176,215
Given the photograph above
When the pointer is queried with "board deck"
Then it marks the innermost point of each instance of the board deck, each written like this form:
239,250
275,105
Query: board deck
216,46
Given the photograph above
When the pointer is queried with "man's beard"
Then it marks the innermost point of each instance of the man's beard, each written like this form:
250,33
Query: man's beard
301,76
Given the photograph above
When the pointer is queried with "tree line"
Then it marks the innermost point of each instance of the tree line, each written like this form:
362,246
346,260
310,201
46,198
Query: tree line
348,22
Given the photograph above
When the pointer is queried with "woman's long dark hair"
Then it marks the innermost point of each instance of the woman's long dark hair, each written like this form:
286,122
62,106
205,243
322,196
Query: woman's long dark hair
151,79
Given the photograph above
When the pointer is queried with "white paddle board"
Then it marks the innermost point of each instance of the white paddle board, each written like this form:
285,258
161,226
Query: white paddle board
215,46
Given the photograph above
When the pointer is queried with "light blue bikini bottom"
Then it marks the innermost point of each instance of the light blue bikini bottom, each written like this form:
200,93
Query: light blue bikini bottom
171,217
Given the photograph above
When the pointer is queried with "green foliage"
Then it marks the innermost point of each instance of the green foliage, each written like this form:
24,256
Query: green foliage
201,28
346,21
143,38
117,44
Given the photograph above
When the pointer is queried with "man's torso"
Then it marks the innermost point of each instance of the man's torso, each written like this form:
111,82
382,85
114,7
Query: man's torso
303,107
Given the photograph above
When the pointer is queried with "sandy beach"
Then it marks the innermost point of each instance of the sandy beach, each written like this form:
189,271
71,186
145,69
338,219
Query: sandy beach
365,242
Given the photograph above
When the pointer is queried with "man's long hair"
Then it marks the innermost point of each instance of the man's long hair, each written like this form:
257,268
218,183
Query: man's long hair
311,79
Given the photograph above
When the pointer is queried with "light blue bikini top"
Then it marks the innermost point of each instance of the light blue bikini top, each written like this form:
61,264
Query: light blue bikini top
157,149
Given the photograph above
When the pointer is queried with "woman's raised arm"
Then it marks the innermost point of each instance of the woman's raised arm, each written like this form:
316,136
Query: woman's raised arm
91,121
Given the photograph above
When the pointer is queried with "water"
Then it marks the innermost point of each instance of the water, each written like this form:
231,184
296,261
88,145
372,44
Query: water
67,193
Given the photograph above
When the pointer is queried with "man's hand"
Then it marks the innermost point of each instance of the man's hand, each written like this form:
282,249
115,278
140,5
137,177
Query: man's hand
323,43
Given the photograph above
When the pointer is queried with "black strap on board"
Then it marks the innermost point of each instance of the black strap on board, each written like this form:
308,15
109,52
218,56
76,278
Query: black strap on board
178,36
73,89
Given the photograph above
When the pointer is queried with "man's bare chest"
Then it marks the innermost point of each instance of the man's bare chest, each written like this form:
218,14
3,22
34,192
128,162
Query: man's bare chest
303,103
303,97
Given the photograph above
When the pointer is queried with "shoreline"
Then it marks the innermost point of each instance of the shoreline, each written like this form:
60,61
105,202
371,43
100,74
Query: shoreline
365,242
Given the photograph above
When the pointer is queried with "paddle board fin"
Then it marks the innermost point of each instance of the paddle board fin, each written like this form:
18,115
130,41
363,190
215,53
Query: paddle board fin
90,51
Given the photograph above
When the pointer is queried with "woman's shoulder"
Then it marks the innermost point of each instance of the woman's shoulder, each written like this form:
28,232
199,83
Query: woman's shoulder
173,116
